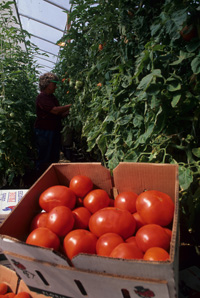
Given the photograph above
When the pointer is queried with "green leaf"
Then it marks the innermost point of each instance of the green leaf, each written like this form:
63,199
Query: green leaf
132,156
153,89
101,142
182,56
175,100
155,28
185,177
145,82
195,64
126,119
196,152
2,112
143,137
174,86
193,45
113,162
138,120
129,139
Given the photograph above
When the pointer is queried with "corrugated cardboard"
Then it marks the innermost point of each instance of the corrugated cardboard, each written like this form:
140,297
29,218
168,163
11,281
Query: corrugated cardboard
15,284
10,278
93,276
9,198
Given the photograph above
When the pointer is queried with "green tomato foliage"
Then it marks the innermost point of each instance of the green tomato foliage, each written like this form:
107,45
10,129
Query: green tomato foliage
17,99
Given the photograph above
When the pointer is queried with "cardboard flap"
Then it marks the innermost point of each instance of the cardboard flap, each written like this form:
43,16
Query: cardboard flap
138,177
59,281
100,176
13,246
23,288
9,277
111,266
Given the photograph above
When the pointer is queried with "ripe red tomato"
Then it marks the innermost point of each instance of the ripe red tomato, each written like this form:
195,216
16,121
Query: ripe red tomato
43,237
57,195
9,295
96,199
156,254
152,235
107,242
100,47
126,201
60,220
38,221
127,251
155,207
79,241
81,218
139,221
23,294
112,220
188,32
3,288
81,185
131,239
169,232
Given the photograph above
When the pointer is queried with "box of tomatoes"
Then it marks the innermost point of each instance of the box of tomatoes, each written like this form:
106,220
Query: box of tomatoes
83,230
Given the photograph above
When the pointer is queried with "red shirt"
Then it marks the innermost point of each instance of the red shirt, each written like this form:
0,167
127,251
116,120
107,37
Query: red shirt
45,119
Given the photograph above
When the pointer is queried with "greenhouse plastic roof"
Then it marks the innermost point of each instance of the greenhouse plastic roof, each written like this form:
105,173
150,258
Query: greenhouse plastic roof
46,21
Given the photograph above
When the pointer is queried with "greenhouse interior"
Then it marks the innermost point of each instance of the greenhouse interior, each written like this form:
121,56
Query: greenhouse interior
112,84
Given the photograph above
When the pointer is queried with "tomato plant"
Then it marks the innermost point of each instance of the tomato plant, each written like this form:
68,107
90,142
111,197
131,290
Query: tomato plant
18,90
155,207
81,185
81,217
43,237
60,220
152,235
156,254
96,199
126,200
79,241
57,195
107,242
127,251
112,220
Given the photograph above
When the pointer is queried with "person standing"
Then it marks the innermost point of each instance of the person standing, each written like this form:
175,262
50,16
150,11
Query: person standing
48,122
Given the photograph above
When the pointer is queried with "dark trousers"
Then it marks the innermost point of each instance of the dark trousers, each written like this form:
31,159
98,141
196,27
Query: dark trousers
48,143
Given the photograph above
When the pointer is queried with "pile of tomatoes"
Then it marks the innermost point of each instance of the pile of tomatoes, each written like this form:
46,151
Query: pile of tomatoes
6,292
81,219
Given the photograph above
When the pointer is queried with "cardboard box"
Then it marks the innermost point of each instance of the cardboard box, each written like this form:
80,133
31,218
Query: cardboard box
46,271
9,198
